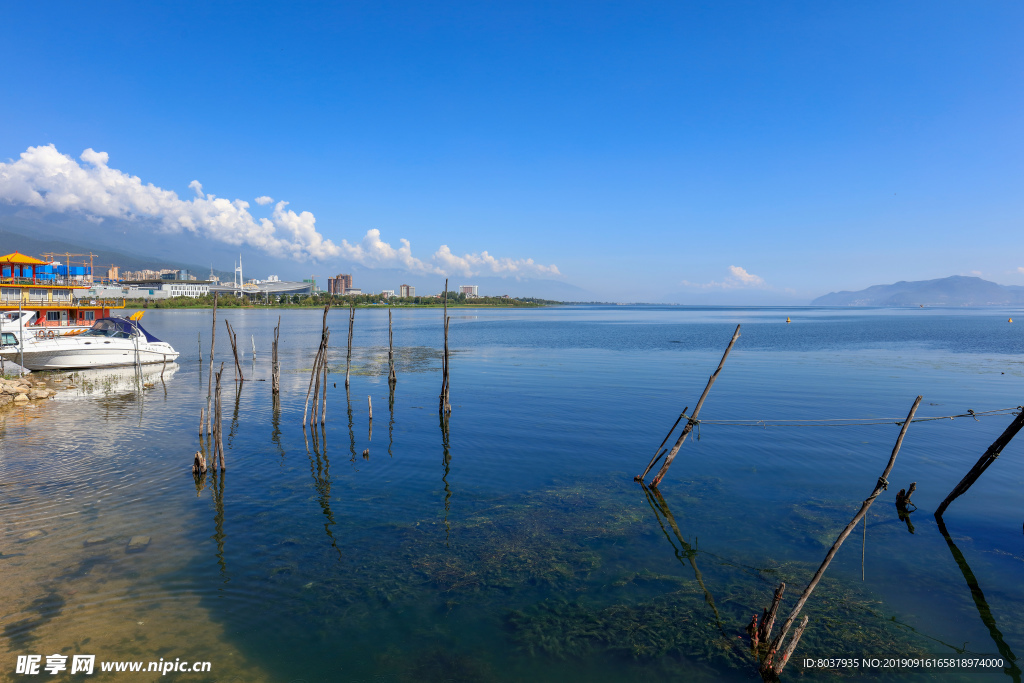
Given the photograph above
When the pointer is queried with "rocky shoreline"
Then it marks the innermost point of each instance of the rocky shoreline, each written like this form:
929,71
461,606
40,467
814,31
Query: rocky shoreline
22,390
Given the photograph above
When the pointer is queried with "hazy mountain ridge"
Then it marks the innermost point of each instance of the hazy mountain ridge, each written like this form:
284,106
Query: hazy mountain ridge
956,290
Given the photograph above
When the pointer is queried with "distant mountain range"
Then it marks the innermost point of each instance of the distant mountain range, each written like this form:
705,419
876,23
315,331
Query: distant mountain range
958,290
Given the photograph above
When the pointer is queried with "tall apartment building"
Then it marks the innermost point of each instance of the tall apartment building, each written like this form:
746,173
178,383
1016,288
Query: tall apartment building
339,284
406,290
469,290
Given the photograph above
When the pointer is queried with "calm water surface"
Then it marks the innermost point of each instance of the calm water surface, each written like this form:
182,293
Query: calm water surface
515,546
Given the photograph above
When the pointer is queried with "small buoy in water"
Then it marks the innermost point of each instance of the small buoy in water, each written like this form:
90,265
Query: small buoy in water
1010,320
788,320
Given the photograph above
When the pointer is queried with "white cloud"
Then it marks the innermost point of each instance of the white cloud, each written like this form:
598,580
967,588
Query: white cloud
738,278
471,264
46,179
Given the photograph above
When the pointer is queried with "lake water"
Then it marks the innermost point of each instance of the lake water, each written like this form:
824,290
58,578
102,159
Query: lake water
515,546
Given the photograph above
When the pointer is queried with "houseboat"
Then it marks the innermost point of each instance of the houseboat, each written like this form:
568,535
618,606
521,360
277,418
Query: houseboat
37,299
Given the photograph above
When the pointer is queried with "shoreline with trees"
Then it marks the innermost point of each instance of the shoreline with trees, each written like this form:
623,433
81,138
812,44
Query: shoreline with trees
320,299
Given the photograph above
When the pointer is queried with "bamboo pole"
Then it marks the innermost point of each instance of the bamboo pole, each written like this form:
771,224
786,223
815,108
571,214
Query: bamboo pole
776,667
692,421
984,461
348,357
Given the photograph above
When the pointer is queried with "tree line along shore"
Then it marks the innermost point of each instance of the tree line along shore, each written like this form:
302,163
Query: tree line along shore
320,299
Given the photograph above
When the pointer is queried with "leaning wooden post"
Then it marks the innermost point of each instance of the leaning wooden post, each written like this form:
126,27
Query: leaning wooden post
770,666
690,422
986,459
209,379
392,379
233,338
351,323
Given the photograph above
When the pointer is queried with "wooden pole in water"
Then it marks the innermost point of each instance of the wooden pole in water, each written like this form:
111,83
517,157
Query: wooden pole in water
199,341
770,666
392,379
692,421
202,419
445,407
351,323
312,378
325,367
209,378
369,404
220,427
233,338
275,368
986,459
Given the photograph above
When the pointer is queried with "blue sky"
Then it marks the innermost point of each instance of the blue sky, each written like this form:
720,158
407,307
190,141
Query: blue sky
681,152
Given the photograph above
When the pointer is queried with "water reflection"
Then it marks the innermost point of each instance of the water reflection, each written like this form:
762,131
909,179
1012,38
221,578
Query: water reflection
1011,668
321,472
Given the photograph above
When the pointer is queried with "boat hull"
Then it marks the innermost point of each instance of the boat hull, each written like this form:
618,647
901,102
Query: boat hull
69,354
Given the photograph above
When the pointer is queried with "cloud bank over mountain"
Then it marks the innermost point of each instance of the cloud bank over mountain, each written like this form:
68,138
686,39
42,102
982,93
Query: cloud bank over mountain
45,179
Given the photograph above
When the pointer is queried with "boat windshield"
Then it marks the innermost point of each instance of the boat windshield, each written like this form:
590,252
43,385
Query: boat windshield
108,328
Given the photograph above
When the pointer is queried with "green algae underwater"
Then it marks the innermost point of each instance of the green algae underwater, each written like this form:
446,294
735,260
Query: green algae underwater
513,545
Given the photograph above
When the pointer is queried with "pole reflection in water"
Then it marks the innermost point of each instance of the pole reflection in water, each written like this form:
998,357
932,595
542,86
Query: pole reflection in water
684,552
391,421
275,420
1011,668
351,426
217,488
446,459
234,415
321,472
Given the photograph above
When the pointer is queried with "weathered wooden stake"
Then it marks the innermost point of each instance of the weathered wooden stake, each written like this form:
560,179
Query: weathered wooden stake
903,497
445,407
199,463
392,379
348,357
986,459
209,378
369,403
218,425
769,666
275,367
324,367
690,422
202,418
233,338
200,342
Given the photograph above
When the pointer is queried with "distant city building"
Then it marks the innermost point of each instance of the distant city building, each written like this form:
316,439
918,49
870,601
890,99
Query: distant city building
469,290
387,293
339,284
353,290
163,289
272,278
112,273
406,291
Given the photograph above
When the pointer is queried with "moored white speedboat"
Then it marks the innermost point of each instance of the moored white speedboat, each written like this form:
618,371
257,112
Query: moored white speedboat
110,342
